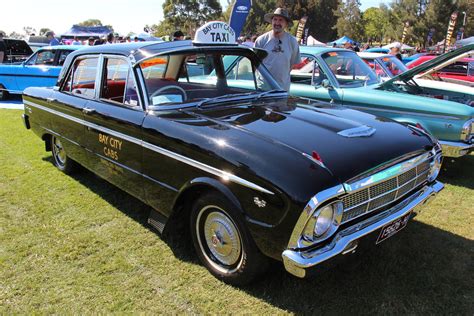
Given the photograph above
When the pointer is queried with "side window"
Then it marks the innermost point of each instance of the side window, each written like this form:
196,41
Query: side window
307,72
62,56
81,80
379,71
45,57
119,85
241,71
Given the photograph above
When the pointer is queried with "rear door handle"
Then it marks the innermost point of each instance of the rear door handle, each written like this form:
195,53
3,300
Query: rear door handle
88,110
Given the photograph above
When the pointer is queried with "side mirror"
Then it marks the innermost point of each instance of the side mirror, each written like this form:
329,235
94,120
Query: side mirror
326,84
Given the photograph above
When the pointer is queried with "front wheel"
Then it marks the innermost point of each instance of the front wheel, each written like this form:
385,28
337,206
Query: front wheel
60,158
222,241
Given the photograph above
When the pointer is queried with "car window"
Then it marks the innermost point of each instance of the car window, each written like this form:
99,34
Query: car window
62,56
379,71
81,79
394,65
45,57
119,85
349,69
191,76
307,72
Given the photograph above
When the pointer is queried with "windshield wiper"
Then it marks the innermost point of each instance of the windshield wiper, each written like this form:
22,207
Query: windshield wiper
265,93
225,96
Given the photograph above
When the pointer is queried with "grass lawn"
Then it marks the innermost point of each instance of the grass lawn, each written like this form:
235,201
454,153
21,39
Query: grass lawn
76,244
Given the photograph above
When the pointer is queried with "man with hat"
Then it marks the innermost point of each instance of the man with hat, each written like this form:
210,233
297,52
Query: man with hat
283,50
52,39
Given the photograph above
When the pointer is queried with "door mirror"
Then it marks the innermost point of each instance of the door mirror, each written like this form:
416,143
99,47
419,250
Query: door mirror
326,84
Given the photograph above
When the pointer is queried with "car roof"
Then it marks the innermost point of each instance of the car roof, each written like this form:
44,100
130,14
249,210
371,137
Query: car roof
320,49
61,47
141,50
372,55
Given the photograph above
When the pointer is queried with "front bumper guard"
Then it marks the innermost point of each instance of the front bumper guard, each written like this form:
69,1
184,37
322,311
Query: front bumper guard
455,149
298,261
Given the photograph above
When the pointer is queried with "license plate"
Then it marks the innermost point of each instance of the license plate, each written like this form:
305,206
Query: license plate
392,228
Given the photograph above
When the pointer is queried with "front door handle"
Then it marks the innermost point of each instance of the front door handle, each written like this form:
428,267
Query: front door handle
88,110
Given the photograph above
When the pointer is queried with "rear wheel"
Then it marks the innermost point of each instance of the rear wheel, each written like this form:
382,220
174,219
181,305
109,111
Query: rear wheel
60,158
223,242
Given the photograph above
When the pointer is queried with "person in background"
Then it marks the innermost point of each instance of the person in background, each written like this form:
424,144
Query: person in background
90,41
110,38
248,41
178,36
135,39
283,49
395,51
76,41
52,40
348,45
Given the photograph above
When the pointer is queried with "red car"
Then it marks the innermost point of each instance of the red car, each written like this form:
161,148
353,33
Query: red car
460,71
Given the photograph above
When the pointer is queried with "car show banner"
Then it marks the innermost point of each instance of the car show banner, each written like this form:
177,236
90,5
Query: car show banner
301,35
239,14
451,25
405,31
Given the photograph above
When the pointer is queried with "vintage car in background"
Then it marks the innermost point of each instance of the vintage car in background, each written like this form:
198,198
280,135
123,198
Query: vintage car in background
40,70
387,67
340,76
14,51
249,171
459,69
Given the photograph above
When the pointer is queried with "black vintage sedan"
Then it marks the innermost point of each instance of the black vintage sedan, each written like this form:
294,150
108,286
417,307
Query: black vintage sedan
250,172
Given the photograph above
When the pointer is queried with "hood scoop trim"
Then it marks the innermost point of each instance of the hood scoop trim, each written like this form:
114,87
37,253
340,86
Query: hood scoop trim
360,131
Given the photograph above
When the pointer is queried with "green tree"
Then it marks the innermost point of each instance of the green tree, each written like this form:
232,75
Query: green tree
29,30
349,19
43,31
190,14
375,22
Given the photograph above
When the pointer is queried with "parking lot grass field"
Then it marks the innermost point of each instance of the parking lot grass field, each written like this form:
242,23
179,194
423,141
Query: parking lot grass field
76,244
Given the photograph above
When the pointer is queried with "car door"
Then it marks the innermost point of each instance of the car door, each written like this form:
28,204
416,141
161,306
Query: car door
69,100
38,71
114,121
310,80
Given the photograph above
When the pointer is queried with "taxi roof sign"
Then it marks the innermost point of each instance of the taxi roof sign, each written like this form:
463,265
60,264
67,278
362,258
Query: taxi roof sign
215,33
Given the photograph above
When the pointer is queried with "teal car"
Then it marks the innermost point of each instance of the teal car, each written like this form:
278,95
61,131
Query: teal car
341,76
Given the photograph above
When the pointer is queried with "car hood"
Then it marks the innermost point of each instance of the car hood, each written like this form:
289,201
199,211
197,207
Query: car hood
304,126
408,75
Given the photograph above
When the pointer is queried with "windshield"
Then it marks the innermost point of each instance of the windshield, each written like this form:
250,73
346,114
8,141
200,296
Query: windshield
193,76
349,69
393,65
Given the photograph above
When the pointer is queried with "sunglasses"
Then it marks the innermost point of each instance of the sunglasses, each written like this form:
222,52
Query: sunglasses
277,47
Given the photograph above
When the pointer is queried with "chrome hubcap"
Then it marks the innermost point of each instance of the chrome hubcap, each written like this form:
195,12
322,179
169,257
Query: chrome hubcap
59,152
222,238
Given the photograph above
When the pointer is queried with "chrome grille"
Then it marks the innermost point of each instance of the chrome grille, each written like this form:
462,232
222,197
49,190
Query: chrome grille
378,195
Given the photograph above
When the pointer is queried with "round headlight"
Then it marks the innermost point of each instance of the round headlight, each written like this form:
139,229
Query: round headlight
435,168
324,220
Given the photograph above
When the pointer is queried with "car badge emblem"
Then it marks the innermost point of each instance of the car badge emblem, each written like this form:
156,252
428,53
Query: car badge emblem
259,203
360,131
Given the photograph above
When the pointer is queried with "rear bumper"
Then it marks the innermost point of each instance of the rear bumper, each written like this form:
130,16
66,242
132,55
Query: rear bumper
298,262
456,149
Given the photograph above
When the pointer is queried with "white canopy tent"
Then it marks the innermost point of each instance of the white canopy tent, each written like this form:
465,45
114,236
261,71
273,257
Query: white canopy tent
311,41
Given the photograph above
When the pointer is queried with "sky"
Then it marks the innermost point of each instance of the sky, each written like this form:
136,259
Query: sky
59,15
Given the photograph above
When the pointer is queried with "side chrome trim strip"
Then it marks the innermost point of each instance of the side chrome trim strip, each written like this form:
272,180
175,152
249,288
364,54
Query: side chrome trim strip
226,176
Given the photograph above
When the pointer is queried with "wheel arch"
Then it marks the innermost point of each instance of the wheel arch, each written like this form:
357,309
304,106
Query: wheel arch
189,193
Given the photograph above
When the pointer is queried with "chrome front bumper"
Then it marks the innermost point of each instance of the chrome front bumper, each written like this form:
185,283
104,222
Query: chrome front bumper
455,149
297,262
